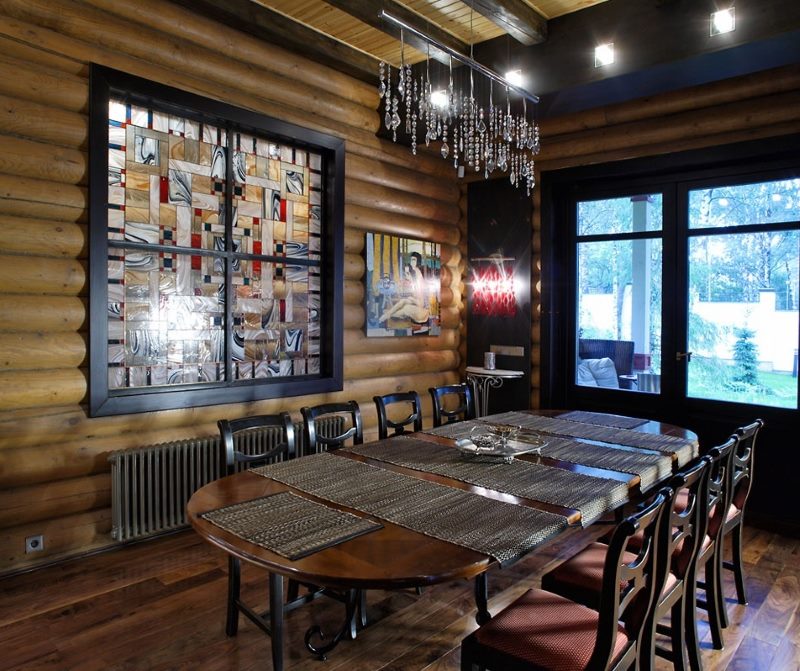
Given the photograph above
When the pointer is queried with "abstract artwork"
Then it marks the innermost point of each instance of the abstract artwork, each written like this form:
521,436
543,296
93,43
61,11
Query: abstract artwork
214,252
403,286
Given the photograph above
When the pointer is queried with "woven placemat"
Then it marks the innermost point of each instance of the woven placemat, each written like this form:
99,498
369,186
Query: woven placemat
684,450
651,468
501,530
592,496
601,419
290,525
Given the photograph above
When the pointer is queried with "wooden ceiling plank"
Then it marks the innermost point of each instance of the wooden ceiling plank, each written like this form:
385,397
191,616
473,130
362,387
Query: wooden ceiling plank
272,26
369,11
516,17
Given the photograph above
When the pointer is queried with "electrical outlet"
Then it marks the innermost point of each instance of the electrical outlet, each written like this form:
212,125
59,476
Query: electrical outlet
34,544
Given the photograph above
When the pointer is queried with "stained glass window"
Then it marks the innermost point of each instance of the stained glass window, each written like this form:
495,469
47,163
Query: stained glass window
217,238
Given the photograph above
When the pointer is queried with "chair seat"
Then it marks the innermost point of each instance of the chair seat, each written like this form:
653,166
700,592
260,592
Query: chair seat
580,577
547,631
733,513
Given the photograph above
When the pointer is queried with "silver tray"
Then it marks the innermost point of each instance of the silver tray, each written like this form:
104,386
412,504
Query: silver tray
498,452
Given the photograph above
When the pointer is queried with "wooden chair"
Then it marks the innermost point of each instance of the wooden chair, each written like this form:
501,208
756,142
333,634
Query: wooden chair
384,423
316,441
580,578
264,449
709,556
543,630
464,410
742,475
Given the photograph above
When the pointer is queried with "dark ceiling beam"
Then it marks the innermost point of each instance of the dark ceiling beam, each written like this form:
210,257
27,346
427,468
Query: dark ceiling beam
519,20
368,11
255,19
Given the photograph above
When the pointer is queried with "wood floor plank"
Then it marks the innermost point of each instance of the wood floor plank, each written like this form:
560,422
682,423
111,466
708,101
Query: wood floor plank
160,606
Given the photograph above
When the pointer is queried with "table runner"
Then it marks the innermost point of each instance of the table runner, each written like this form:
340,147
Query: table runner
601,419
592,496
505,532
290,525
650,466
685,450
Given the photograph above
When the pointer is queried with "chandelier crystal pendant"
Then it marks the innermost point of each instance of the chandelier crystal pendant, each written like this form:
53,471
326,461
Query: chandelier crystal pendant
479,136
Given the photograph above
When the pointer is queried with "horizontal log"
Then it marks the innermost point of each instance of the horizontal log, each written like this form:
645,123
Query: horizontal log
429,163
42,123
451,256
21,79
398,202
81,23
78,457
743,115
23,505
353,241
450,317
64,536
398,363
692,142
42,275
368,218
33,427
733,90
50,314
33,389
356,342
41,351
401,178
27,158
354,267
211,35
353,316
353,292
35,56
66,202
20,235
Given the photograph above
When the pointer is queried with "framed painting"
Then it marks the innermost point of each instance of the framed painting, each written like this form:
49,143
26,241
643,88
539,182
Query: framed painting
403,286
216,248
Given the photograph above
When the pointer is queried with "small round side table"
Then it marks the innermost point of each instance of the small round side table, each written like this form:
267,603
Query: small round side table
484,379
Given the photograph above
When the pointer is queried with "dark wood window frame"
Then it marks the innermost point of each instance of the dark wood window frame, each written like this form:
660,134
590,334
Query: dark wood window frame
105,83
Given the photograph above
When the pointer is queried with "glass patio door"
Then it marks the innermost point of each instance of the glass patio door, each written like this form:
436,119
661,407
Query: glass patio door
742,293
619,253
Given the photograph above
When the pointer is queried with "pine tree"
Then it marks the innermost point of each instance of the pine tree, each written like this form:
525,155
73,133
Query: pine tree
745,355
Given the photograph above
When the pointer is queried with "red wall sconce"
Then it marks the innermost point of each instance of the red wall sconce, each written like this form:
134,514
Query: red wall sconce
492,284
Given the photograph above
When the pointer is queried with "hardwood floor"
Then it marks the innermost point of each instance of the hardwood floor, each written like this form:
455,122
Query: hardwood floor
160,605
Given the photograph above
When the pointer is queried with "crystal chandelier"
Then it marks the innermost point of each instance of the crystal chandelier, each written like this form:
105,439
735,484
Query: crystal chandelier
478,136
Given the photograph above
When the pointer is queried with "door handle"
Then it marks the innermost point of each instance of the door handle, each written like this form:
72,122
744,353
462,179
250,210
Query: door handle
683,355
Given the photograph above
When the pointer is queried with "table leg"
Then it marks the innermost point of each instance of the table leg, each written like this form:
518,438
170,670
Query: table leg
276,619
481,598
348,628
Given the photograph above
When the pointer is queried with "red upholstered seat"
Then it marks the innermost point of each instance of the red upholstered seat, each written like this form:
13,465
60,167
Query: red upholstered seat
548,631
581,577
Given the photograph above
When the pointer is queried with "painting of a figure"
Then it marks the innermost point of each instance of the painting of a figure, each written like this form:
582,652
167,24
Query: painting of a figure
403,286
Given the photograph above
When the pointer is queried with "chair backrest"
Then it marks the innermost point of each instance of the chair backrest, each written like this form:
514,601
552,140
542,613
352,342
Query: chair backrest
464,410
743,459
629,588
263,445
688,524
315,440
405,397
619,351
720,485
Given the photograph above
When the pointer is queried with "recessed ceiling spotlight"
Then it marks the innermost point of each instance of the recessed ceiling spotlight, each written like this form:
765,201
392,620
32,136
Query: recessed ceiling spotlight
723,21
604,54
514,77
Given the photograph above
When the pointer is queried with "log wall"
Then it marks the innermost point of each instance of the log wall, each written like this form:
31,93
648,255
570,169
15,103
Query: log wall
54,473
752,107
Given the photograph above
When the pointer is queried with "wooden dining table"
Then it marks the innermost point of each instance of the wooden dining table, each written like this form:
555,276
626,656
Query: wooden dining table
404,550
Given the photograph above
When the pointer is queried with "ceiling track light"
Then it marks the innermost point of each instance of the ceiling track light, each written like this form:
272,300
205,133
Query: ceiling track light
476,136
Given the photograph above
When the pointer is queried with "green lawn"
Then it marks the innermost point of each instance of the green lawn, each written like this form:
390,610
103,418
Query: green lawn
778,390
